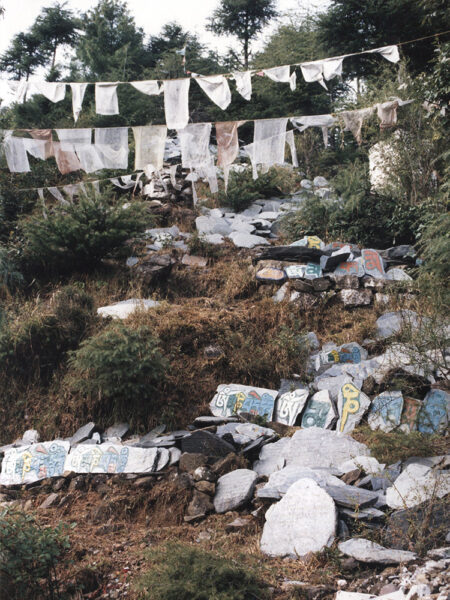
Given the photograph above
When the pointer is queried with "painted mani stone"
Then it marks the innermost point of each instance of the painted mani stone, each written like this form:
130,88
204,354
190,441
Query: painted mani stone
309,271
349,354
271,275
290,405
233,398
373,264
353,267
352,404
408,422
386,411
112,458
433,416
319,411
310,241
32,463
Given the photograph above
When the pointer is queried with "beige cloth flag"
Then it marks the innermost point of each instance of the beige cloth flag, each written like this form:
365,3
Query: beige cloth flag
66,161
354,119
43,135
227,145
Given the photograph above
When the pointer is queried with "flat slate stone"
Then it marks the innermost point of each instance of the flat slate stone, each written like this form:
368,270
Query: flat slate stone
271,457
118,430
247,240
392,322
271,275
416,484
370,552
319,411
308,271
315,447
352,405
205,442
291,253
82,434
396,274
234,490
206,421
350,496
280,481
122,310
233,398
303,521
386,411
351,298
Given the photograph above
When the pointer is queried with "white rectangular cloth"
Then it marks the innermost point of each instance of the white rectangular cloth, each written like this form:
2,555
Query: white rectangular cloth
150,143
106,102
268,144
323,121
194,141
176,102
390,53
15,153
78,91
319,70
243,81
57,194
112,146
216,88
20,89
36,148
53,91
282,75
149,87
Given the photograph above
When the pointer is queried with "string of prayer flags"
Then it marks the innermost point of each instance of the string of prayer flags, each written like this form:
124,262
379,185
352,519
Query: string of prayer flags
322,121
150,142
176,102
106,101
227,145
268,145
216,88
243,81
78,91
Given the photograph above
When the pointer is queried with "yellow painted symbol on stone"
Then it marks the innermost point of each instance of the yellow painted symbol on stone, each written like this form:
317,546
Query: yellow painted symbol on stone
240,398
27,457
350,405
313,241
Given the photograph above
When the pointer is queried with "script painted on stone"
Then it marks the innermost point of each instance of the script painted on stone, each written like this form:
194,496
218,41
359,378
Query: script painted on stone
290,405
308,271
353,267
373,264
433,416
232,399
352,404
386,411
271,274
350,353
32,463
319,411
111,458
411,407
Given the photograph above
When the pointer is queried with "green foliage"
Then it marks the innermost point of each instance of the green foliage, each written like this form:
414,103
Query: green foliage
78,236
180,572
10,277
31,556
37,345
243,19
243,189
24,55
358,216
435,246
55,26
120,365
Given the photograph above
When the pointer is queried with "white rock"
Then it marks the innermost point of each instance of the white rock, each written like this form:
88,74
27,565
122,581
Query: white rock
281,293
319,411
368,464
115,458
242,226
247,240
234,489
122,310
233,398
386,411
271,457
269,215
209,225
213,238
280,481
320,181
370,552
392,322
303,521
290,405
416,484
396,274
315,447
34,462
31,436
306,184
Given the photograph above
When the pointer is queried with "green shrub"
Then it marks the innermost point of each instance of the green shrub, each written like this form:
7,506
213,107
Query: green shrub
31,555
10,276
358,216
38,345
180,572
120,365
200,247
79,235
243,189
